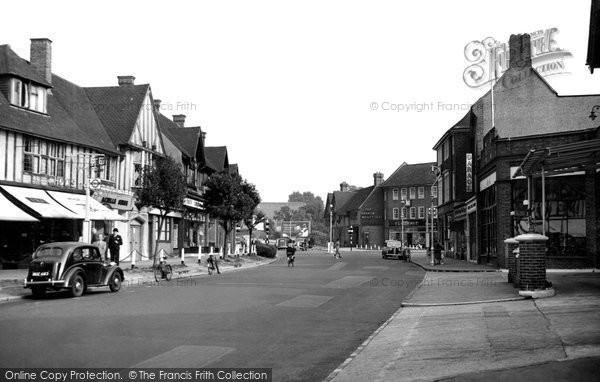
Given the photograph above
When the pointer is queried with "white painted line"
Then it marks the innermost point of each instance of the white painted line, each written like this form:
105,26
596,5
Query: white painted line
186,356
305,301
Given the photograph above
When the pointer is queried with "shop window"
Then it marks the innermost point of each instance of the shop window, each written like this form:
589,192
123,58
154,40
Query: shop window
165,232
488,221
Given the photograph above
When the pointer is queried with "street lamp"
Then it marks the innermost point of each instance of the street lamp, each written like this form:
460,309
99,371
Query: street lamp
330,228
437,171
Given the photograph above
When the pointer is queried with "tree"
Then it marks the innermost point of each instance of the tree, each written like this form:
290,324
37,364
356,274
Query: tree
252,221
164,188
312,210
230,199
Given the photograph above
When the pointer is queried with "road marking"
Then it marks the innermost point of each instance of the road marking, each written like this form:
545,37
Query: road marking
186,356
337,266
377,268
305,301
348,282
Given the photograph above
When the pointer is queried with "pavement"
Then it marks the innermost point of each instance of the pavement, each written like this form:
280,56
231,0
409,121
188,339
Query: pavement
465,322
11,280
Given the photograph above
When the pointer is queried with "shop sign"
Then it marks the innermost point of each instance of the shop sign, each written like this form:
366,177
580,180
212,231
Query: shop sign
487,181
472,206
469,167
460,213
192,203
117,201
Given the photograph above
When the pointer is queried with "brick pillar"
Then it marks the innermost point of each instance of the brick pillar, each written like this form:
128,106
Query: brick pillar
532,261
511,262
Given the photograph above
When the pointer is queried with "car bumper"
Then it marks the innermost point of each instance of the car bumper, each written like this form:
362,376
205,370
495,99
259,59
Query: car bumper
50,283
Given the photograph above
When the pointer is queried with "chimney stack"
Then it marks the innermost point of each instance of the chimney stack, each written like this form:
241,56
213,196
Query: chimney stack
157,105
179,119
519,51
378,178
344,187
40,57
126,80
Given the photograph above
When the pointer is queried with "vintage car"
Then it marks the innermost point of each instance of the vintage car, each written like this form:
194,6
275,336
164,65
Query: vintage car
73,266
393,248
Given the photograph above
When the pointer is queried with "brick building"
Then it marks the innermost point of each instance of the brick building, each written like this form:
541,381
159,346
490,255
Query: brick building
528,115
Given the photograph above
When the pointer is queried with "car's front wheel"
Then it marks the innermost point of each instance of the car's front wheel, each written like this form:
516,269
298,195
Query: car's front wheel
115,282
77,286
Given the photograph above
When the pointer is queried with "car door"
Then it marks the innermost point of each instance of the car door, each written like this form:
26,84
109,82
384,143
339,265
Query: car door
92,264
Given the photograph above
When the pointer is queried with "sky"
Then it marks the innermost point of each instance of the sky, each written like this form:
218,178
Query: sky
304,94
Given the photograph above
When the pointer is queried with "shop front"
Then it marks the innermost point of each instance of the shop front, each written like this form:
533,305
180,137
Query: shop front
410,231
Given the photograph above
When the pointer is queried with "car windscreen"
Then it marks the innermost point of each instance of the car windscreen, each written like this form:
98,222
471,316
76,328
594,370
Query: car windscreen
48,252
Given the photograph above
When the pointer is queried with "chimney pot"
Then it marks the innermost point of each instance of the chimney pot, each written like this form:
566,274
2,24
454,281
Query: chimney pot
519,51
126,80
157,104
344,187
179,119
40,57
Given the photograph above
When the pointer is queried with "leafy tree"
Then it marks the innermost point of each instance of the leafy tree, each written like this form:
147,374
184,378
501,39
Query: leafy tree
164,188
230,199
252,221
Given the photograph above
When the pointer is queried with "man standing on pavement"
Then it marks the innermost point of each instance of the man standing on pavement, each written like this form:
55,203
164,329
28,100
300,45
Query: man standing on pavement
337,254
114,245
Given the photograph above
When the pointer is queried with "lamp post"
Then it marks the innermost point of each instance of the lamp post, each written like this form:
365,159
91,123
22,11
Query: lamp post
437,171
330,228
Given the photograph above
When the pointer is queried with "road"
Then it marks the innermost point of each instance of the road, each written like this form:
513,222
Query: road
302,322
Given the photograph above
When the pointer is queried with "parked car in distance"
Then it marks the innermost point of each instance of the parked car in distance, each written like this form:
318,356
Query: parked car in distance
73,266
393,248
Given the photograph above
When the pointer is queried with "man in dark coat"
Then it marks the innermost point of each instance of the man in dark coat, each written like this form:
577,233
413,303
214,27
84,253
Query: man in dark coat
114,245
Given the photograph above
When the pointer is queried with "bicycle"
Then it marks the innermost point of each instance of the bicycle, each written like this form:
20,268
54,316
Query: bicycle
210,265
163,271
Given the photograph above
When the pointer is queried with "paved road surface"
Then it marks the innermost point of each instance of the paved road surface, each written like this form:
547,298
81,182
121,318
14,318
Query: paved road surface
303,322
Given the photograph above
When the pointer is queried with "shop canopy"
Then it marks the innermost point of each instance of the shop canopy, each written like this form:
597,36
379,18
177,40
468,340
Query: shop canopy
39,201
10,212
76,203
562,158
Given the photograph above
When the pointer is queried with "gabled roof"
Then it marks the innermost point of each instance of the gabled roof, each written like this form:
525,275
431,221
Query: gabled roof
340,199
69,118
12,64
411,174
118,107
216,158
358,198
187,139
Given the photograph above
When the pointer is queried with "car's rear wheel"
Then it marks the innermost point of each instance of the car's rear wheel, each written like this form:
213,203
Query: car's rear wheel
38,291
77,286
115,282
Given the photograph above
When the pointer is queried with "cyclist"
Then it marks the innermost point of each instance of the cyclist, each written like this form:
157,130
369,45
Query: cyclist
290,251
213,263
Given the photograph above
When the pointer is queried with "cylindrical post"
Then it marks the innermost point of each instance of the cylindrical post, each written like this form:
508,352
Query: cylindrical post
510,245
532,261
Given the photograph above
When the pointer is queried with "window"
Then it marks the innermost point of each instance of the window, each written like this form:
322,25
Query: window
41,157
29,96
434,191
413,213
446,149
413,193
165,233
395,213
403,194
421,212
395,194
446,187
403,212
421,192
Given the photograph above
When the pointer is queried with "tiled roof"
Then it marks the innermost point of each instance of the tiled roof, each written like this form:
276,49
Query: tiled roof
186,139
12,64
358,198
216,157
69,118
411,174
118,107
340,198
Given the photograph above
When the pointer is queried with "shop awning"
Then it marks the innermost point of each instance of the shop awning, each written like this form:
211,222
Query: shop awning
10,212
39,201
76,203
561,158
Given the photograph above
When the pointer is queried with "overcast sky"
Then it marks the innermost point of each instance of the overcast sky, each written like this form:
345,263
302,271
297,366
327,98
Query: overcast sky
289,87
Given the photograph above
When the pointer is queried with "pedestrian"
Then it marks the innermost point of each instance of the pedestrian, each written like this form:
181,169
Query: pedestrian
101,244
290,251
437,253
213,263
337,254
114,245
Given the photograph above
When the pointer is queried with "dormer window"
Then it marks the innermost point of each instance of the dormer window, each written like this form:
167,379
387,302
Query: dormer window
27,95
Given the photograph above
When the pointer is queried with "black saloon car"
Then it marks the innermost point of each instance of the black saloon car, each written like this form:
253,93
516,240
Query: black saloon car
73,266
